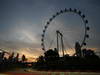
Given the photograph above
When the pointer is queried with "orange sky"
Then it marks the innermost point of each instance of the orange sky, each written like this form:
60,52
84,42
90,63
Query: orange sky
31,55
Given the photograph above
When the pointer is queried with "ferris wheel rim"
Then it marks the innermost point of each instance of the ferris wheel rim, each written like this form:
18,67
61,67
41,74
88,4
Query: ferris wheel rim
75,11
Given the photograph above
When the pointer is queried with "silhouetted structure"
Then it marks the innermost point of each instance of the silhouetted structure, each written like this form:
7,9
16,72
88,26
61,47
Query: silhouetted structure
78,49
52,61
60,35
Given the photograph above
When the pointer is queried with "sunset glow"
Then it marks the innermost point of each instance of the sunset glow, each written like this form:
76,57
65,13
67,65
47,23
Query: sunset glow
49,37
21,24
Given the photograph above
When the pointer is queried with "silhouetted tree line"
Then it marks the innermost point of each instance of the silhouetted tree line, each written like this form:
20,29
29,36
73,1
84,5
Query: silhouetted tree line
52,60
12,62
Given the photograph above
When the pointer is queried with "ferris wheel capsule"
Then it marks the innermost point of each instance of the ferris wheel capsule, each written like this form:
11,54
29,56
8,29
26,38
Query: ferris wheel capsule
42,39
45,27
42,35
75,10
50,19
57,13
88,28
43,49
84,43
70,9
48,22
65,10
86,21
83,16
79,12
53,16
43,31
61,11
87,35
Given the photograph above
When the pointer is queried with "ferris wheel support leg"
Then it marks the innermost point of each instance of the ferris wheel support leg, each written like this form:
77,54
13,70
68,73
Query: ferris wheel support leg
62,45
57,42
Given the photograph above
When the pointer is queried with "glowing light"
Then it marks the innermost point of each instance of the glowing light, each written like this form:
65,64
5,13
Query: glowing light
94,49
70,51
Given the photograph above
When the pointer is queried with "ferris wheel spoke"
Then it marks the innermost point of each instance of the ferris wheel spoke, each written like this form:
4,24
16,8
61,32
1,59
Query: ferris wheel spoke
51,40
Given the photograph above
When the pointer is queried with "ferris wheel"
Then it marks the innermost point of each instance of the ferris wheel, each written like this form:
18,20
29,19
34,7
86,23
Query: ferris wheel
48,31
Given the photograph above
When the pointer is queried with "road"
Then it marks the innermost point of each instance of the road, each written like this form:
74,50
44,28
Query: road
34,72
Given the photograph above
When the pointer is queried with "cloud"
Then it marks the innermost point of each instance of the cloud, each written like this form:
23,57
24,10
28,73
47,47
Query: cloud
22,22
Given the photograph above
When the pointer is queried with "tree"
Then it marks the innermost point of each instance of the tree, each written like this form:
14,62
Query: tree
40,60
23,58
89,54
51,56
16,58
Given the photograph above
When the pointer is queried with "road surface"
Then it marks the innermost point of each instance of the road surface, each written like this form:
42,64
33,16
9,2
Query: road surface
34,72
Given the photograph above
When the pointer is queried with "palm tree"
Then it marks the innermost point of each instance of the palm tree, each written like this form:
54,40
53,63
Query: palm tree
16,58
11,57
